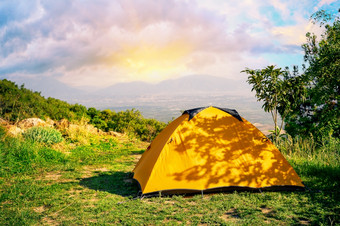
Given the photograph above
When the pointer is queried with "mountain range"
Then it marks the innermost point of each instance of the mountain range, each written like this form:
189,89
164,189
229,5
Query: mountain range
164,100
189,85
193,84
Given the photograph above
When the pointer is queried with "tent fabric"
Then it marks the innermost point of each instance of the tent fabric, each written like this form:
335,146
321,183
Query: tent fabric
214,149
195,111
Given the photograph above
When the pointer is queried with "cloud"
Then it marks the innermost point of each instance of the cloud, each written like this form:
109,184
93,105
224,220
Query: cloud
102,42
16,11
326,2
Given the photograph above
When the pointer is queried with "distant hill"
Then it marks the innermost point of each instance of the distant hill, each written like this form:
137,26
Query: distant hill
188,85
164,100
51,87
18,102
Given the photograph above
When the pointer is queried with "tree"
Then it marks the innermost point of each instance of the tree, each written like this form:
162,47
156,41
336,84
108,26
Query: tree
278,89
319,113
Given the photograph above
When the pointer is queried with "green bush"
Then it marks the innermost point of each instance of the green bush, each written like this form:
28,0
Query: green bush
20,156
49,155
84,154
2,132
43,135
130,121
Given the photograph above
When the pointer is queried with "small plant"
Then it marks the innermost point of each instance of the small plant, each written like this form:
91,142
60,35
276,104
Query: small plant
43,135
2,132
18,156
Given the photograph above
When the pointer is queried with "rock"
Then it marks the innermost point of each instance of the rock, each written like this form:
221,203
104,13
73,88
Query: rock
101,132
13,130
3,122
115,134
50,122
62,124
75,128
91,129
30,122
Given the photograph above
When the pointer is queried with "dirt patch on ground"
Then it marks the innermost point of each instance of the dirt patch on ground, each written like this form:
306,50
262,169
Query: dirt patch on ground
143,145
265,210
171,222
39,209
53,177
303,221
192,203
136,158
230,216
100,170
49,221
75,192
88,172
90,203
199,215
170,202
147,201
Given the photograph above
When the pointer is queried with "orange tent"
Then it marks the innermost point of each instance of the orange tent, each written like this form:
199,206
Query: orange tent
209,149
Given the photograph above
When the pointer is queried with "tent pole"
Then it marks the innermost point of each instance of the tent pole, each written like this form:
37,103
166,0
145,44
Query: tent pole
202,193
261,192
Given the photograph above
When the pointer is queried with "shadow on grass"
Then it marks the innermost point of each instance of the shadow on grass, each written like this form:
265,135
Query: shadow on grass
119,183
326,178
138,152
324,182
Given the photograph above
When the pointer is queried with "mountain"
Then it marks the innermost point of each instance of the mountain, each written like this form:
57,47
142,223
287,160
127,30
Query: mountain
191,85
51,87
164,100
188,85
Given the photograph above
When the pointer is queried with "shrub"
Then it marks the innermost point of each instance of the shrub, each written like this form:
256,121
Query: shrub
81,133
43,135
49,156
21,156
130,121
2,132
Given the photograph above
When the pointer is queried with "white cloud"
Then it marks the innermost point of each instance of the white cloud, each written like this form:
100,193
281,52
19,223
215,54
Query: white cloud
103,42
326,2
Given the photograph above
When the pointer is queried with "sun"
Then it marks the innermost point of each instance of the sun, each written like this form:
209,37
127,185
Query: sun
151,62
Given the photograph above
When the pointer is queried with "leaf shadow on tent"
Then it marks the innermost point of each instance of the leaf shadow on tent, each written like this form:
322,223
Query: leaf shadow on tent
226,146
115,182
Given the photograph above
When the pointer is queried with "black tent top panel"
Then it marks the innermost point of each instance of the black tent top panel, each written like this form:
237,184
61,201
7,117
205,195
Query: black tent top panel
195,111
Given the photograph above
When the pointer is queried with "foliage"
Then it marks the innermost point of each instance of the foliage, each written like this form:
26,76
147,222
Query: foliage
130,121
320,161
319,113
80,133
26,157
43,134
17,103
278,89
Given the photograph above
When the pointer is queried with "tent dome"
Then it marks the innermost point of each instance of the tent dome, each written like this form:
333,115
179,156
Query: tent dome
212,148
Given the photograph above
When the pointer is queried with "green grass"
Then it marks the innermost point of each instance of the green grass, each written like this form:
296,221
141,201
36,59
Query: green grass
91,184
43,134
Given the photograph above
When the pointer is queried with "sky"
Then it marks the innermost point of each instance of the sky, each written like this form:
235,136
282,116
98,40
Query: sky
85,43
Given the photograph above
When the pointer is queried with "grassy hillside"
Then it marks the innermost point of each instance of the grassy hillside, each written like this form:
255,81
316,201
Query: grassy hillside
85,178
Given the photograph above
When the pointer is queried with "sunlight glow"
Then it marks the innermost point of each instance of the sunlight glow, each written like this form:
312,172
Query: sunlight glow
153,62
